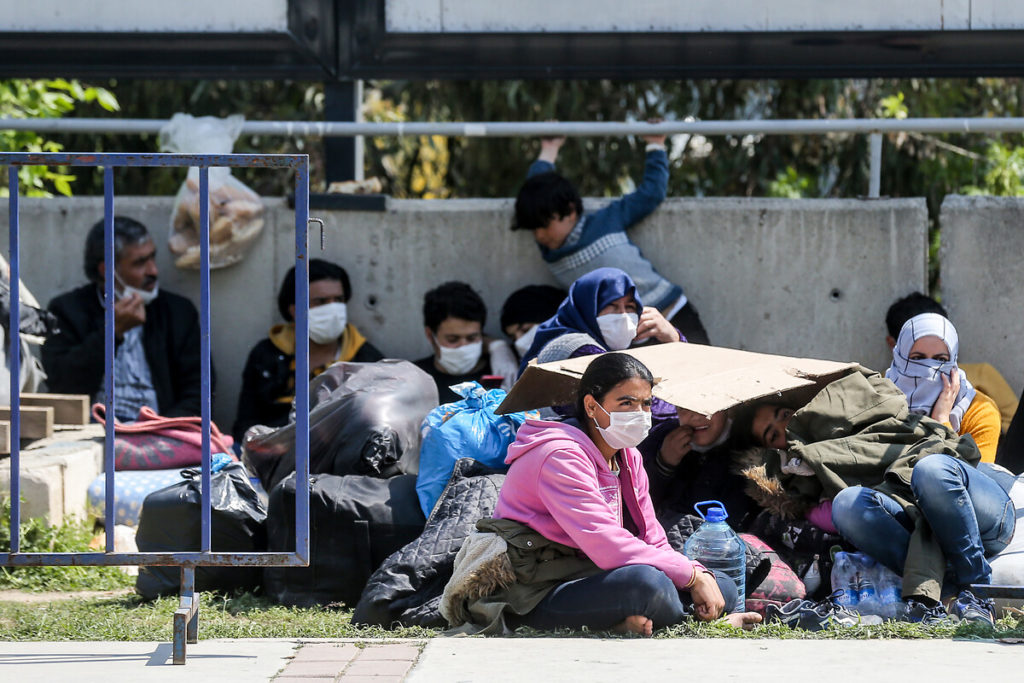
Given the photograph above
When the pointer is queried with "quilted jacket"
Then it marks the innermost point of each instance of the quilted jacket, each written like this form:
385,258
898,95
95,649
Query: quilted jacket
406,589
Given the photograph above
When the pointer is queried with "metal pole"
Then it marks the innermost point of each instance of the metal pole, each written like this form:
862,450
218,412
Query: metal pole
875,166
543,128
109,270
204,352
14,344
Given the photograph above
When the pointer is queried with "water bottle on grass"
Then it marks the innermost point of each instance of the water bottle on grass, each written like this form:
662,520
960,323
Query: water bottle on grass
715,545
867,587
845,578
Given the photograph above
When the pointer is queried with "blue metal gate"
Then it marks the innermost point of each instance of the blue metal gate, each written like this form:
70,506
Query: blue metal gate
186,617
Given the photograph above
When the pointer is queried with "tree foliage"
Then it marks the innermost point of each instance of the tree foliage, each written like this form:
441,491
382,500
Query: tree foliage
27,99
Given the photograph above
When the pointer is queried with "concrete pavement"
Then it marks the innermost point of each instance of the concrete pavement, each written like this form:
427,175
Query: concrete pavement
496,660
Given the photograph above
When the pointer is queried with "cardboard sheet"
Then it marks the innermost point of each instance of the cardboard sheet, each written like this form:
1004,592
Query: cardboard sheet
704,379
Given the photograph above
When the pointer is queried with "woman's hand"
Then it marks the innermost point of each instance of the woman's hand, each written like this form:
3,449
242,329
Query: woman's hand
947,397
676,445
708,602
653,324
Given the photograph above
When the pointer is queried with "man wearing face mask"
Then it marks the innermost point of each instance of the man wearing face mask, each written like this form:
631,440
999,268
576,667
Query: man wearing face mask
156,332
525,309
268,381
453,319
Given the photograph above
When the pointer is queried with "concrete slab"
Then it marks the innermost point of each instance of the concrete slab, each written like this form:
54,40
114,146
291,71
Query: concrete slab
789,661
55,479
224,661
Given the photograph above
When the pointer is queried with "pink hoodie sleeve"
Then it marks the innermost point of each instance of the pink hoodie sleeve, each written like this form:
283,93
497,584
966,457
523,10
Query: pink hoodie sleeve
570,494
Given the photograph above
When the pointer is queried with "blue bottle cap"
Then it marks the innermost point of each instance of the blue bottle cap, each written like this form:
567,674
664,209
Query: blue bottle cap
716,511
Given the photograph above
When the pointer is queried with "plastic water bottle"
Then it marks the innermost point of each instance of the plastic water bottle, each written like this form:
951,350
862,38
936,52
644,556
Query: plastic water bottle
812,576
715,545
845,578
890,592
867,591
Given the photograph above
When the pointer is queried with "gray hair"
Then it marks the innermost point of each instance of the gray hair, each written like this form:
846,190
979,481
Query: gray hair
128,232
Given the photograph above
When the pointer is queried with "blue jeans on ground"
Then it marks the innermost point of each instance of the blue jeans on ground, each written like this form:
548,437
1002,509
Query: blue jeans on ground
603,600
968,510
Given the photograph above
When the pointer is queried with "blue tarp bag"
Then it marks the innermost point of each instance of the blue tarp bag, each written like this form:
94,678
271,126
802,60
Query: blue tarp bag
464,429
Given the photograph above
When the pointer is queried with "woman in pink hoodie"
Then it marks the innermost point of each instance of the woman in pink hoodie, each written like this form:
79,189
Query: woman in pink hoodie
582,484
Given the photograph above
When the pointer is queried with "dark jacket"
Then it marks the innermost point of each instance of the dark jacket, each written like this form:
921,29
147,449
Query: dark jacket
858,431
73,358
698,477
268,385
407,588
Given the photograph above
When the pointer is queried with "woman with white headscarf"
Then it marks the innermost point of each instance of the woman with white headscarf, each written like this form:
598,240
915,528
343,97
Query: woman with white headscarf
924,367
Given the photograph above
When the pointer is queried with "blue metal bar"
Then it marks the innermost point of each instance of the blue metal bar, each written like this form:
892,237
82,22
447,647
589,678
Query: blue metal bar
204,348
14,345
151,160
302,360
109,298
95,559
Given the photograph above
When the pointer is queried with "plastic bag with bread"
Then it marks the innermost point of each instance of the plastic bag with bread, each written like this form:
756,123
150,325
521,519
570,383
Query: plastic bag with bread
236,212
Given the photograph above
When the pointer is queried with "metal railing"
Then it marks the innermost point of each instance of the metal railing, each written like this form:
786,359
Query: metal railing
874,128
186,618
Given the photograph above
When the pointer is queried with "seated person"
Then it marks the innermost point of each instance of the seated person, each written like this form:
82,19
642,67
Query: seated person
525,309
580,488
157,334
602,312
453,321
573,243
924,368
907,489
689,461
268,380
983,376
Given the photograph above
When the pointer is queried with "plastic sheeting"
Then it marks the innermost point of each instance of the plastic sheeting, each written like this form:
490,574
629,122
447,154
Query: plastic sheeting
364,418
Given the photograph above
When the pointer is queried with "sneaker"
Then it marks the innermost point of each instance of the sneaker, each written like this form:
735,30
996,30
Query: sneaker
969,607
817,616
919,613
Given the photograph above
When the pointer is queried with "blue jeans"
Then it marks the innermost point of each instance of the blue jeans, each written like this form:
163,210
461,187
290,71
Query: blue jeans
968,510
603,600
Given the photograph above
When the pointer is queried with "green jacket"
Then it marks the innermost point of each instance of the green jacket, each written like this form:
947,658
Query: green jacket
857,431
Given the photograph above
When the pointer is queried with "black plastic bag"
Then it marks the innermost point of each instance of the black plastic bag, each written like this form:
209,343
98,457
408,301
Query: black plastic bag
171,522
355,522
364,418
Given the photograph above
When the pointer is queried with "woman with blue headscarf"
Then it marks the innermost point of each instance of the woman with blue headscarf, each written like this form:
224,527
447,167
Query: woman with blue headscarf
602,312
924,367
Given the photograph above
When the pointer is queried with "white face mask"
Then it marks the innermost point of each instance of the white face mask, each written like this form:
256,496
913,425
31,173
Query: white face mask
626,430
459,360
146,296
327,322
618,329
525,341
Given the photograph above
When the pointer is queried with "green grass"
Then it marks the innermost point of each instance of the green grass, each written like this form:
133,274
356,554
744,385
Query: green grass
249,616
131,618
71,536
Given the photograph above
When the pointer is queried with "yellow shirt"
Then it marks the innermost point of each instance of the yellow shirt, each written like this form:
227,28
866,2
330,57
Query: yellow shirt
988,381
981,421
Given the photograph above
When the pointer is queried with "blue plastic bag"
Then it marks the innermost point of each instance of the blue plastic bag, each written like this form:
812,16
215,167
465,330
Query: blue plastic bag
464,429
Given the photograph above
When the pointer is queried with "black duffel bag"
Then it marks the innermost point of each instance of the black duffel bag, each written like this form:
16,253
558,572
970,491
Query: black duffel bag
355,522
171,522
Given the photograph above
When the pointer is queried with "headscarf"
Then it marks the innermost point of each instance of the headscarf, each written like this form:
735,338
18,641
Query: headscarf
578,313
921,380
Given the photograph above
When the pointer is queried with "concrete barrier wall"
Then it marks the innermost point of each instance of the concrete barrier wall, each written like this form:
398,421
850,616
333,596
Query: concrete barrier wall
982,256
801,277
